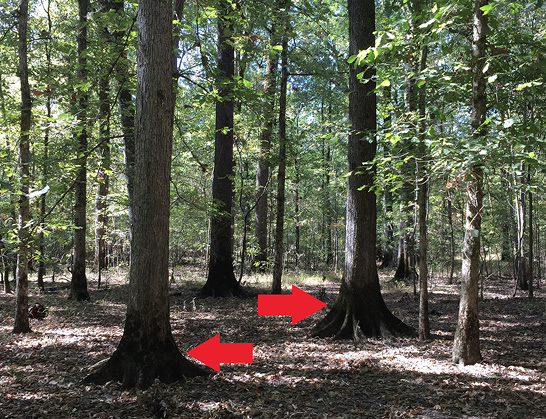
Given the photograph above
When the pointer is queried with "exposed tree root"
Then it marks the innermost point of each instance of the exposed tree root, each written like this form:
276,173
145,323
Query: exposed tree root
352,319
135,365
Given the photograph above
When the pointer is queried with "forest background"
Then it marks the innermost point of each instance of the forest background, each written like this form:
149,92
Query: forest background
82,84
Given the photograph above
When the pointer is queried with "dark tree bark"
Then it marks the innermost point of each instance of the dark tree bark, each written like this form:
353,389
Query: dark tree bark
221,280
126,110
263,163
278,264
422,171
360,307
43,199
21,323
147,349
466,345
78,283
103,179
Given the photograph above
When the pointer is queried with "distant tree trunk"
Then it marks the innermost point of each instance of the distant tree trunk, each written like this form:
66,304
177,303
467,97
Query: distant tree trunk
103,176
147,349
78,284
451,237
221,280
423,190
21,323
127,113
531,250
297,233
466,345
360,307
278,264
263,164
43,200
521,218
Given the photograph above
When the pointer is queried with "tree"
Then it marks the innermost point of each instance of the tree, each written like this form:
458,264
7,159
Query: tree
78,283
147,349
21,323
466,345
221,280
360,307
278,265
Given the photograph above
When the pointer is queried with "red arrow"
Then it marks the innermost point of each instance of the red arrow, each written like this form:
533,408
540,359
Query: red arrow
212,353
299,305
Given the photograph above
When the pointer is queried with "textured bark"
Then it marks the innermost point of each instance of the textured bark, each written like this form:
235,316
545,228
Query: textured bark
221,280
466,345
278,264
78,283
360,308
422,171
263,163
21,323
103,179
127,113
147,349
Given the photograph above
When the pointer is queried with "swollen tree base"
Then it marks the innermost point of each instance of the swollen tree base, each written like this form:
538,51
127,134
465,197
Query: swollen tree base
363,315
221,282
137,366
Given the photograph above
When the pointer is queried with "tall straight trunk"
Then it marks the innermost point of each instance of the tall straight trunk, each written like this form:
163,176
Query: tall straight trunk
281,175
103,179
221,280
126,107
21,323
263,163
78,284
103,172
466,344
297,233
147,350
531,234
360,307
43,200
449,208
521,218
422,169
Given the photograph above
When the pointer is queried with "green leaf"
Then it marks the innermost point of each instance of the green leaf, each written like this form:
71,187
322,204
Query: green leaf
486,9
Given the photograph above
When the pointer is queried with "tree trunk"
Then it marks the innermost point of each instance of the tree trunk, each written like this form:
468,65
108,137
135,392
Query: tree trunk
278,264
360,307
263,164
21,323
521,216
103,177
466,345
78,283
424,323
531,250
147,349
127,112
221,280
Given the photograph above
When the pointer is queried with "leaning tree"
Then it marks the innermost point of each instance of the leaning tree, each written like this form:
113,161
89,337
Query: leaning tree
147,349
360,307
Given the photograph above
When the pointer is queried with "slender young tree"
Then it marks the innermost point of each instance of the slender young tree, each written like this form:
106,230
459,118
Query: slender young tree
360,307
221,280
281,174
78,283
103,172
21,324
466,345
147,349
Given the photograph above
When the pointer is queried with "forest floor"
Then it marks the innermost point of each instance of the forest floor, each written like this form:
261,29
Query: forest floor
292,376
